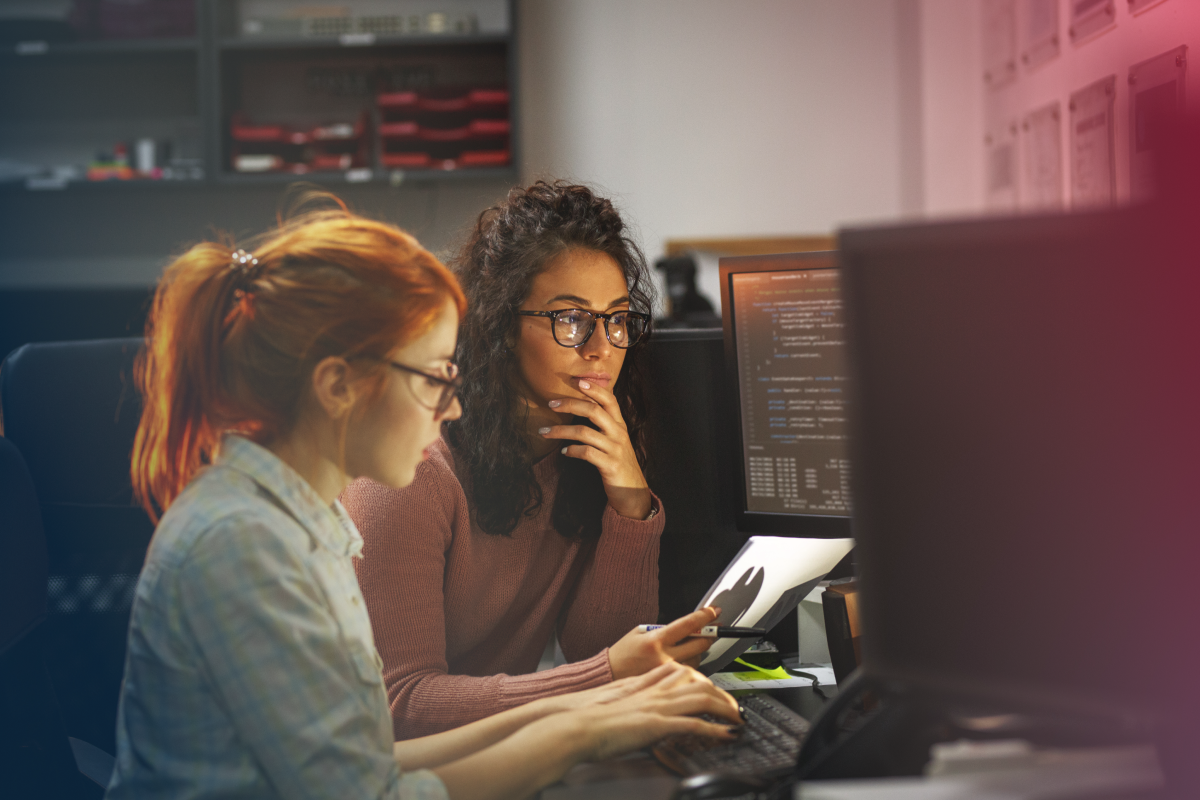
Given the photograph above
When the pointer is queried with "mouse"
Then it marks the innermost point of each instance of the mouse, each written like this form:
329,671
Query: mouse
711,785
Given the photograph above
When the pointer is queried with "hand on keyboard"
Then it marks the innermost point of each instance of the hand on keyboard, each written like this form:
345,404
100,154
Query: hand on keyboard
670,703
619,689
767,746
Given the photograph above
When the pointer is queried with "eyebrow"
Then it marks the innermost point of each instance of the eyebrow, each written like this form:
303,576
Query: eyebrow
585,303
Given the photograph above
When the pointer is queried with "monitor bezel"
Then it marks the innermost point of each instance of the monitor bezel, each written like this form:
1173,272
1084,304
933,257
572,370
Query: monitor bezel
812,526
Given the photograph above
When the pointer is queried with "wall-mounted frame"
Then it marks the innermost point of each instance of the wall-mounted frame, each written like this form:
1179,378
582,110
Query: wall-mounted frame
1002,164
1156,99
1138,6
1041,155
1040,38
999,42
1092,136
1090,18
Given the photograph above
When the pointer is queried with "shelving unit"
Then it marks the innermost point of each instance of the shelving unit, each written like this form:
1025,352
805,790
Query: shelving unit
103,47
62,104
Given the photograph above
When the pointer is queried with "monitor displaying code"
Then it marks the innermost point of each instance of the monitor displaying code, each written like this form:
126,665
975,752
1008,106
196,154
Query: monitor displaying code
789,335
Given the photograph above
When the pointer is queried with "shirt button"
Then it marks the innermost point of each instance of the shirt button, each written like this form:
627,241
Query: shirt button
354,599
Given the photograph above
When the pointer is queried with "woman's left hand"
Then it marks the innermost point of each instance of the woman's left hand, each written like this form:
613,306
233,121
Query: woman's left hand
608,449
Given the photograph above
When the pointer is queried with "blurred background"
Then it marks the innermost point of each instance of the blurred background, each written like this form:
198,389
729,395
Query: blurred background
132,128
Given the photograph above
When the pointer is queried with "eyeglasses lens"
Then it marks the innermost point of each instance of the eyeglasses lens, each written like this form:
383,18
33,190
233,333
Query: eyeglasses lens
448,389
571,328
624,330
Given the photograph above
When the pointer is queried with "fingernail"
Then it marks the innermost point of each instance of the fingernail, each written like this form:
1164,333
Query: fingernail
584,385
736,730
742,713
563,451
555,403
543,430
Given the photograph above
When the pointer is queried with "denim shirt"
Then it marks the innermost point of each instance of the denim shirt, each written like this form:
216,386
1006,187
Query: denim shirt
251,669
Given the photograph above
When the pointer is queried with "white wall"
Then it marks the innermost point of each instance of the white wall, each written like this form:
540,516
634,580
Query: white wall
957,105
711,118
952,106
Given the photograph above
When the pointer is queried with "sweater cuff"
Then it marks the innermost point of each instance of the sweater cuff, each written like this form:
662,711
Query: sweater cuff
587,674
612,521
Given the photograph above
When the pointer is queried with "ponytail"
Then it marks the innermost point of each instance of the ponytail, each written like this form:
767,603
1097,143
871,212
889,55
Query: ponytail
231,341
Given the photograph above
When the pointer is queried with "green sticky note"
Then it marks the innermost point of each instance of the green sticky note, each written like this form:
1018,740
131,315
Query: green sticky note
777,674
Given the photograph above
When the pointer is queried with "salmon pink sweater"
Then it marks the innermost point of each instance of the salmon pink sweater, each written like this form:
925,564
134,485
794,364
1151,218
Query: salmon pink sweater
461,618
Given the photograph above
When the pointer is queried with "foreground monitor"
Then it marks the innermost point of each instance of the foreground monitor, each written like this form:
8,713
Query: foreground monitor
787,379
1025,437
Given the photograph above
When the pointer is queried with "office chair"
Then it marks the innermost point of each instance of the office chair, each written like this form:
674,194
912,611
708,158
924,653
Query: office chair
71,409
37,759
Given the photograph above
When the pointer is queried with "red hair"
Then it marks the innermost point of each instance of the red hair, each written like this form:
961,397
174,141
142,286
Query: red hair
232,349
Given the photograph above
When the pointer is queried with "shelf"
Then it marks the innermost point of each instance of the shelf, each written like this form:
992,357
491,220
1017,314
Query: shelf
104,186
352,40
76,94
36,49
377,176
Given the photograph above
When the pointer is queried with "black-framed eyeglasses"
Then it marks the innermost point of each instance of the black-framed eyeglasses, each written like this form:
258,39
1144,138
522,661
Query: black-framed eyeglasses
435,392
572,327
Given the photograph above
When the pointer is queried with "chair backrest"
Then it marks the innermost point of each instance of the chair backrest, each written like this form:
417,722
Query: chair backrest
35,757
22,551
72,410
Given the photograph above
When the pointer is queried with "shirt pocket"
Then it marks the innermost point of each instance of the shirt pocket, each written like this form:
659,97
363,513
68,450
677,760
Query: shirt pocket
367,663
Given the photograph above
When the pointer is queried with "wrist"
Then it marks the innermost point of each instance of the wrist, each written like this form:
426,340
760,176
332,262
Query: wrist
635,504
569,735
546,706
580,732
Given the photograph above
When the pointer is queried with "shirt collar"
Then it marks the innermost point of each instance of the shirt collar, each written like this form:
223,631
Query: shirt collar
330,524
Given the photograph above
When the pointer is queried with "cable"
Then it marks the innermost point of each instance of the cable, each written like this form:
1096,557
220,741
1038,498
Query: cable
816,683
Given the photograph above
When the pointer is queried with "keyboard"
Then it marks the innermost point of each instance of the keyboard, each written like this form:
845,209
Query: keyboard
768,745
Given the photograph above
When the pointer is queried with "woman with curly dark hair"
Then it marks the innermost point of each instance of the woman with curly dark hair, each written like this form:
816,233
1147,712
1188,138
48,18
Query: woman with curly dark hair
531,517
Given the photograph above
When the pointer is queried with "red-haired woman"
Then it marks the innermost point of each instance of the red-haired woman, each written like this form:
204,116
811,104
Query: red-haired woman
271,379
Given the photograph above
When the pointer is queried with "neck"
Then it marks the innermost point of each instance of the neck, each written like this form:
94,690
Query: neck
311,455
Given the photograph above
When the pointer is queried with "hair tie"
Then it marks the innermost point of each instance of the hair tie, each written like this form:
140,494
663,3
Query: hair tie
243,262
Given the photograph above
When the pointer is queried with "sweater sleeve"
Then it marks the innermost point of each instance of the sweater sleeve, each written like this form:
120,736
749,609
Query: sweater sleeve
406,534
618,588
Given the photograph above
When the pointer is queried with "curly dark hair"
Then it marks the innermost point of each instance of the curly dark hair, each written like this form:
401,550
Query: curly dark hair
509,245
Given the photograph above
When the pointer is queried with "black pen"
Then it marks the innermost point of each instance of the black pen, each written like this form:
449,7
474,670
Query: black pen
715,632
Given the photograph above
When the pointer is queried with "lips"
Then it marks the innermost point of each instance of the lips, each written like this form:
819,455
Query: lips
598,378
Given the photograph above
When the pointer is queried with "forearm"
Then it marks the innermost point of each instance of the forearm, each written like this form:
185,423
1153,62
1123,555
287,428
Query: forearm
520,764
434,702
617,590
442,748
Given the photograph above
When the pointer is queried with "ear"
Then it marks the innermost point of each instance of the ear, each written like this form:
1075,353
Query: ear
333,386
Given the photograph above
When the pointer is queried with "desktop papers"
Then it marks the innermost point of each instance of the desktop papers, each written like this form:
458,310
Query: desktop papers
767,579
736,681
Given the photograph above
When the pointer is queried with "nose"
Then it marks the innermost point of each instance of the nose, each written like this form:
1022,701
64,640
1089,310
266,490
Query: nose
597,347
453,412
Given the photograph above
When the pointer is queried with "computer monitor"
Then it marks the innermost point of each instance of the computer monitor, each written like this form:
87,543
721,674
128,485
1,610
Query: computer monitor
787,381
1024,438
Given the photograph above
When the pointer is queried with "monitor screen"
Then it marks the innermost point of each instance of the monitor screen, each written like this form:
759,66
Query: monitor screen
785,354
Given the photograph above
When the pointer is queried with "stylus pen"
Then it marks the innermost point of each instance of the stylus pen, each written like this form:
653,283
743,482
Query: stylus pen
715,632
